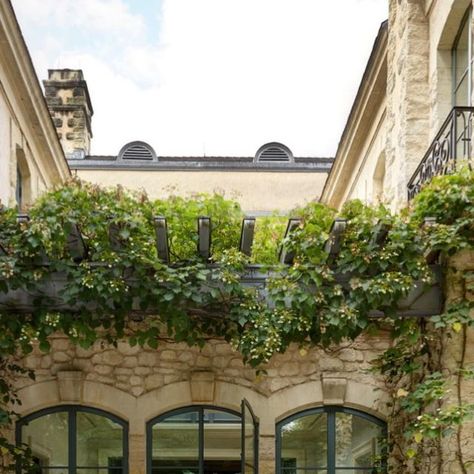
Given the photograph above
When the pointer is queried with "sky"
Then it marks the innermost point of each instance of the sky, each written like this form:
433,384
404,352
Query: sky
209,77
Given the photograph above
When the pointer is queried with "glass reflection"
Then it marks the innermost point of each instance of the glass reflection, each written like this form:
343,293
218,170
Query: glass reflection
47,436
357,441
221,442
304,443
176,444
99,441
197,441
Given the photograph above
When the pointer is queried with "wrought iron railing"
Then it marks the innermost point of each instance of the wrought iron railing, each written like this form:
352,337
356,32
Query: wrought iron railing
451,147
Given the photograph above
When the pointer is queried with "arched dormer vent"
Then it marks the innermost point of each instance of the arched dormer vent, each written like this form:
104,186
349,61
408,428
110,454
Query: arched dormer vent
273,153
137,151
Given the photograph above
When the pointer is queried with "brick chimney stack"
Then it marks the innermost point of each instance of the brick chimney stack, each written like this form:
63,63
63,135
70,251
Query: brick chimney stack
70,107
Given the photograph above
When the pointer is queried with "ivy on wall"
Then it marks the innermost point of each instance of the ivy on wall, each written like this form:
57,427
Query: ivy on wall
190,301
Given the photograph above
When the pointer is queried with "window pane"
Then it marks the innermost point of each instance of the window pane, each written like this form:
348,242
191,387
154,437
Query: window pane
99,441
462,52
357,441
304,442
461,94
221,442
47,437
175,444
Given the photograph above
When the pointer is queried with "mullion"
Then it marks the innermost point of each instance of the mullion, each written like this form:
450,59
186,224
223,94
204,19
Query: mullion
201,440
331,441
72,455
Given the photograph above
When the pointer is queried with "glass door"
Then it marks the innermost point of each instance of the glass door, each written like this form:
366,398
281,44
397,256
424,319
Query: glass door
249,455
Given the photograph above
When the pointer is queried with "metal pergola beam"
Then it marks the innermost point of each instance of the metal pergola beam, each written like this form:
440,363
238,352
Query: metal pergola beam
333,245
380,234
204,237
422,301
287,256
162,242
246,235
75,244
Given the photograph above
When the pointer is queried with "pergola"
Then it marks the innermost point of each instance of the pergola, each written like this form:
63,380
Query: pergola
423,300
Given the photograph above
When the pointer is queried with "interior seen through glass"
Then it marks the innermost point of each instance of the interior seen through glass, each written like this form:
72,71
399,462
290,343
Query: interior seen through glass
306,446
98,442
176,443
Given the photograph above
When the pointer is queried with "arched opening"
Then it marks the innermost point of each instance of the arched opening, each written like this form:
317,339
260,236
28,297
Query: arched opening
379,180
330,440
23,180
72,439
195,439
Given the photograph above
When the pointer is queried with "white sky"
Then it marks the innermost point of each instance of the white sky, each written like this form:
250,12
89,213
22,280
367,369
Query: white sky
214,77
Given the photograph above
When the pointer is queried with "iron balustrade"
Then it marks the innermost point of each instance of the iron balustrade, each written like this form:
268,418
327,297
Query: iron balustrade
451,147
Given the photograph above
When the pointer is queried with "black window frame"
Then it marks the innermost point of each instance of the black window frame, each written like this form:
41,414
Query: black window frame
331,412
72,411
455,80
178,411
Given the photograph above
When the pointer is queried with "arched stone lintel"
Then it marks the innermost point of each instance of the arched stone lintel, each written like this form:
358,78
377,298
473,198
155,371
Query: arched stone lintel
138,411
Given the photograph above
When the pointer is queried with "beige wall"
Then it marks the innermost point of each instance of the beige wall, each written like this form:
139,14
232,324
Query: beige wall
364,180
256,191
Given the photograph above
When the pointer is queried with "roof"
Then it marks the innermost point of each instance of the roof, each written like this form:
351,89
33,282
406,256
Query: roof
201,163
371,92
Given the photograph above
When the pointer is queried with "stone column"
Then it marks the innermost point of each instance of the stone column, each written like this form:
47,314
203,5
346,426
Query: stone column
137,454
408,96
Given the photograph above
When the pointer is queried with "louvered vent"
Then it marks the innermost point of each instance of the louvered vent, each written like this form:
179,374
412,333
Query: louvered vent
137,151
274,153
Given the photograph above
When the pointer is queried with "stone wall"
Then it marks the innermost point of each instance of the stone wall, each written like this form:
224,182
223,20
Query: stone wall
139,384
459,353
408,108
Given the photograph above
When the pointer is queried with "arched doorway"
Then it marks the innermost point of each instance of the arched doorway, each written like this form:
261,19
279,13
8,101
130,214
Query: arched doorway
202,440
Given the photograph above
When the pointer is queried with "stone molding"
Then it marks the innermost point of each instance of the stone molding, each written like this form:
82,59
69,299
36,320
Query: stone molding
334,390
70,385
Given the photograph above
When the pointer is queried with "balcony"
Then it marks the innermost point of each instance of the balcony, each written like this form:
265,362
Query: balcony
451,147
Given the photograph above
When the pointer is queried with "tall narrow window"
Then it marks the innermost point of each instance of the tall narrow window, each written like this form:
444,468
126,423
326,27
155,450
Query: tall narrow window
462,63
75,440
19,188
330,440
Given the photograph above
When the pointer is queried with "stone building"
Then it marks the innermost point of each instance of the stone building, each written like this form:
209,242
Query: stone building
31,158
179,409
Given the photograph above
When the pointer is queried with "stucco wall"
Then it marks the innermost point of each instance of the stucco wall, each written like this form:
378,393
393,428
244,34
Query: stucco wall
256,191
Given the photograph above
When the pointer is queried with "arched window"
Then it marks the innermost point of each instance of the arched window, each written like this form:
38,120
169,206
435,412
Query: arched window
73,439
23,180
462,59
194,440
330,440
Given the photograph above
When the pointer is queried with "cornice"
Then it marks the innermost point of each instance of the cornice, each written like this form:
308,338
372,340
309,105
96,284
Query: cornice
26,97
369,97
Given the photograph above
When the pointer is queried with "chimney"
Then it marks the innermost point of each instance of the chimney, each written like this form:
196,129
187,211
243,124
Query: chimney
70,107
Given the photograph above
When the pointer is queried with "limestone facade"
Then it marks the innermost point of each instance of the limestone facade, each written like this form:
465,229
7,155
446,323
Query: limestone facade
137,384
402,100
404,97
29,147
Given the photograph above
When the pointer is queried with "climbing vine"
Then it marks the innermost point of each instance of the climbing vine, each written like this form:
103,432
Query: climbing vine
122,290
